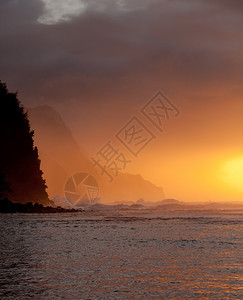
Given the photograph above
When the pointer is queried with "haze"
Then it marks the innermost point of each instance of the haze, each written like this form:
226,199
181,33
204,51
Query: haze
98,63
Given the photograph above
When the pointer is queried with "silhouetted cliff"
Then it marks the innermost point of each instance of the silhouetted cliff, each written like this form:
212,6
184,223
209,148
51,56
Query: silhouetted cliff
21,177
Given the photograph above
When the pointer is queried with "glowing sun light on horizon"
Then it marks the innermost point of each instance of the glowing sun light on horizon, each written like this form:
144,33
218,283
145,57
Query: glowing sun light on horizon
232,173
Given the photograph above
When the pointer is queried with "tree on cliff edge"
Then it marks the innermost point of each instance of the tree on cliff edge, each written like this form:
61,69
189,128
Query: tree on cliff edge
20,174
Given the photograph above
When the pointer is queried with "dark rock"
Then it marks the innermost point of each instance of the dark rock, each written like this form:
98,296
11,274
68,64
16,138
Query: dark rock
7,206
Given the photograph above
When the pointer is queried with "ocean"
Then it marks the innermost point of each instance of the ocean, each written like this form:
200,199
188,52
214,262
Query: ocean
190,255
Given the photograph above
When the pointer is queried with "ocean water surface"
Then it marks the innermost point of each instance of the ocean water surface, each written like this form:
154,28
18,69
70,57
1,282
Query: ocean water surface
81,256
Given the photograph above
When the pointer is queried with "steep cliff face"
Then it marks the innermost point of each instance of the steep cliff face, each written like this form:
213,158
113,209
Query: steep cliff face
19,161
62,157
59,152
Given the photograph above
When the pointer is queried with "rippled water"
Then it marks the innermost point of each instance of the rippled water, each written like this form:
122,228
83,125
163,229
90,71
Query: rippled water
69,256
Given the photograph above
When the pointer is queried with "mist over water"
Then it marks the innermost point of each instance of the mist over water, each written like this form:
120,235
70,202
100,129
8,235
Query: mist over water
121,160
118,256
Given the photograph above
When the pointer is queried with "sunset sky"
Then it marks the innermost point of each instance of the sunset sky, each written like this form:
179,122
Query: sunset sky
98,62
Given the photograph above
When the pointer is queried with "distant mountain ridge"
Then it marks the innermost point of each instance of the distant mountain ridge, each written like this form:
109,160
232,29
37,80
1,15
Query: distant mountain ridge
62,157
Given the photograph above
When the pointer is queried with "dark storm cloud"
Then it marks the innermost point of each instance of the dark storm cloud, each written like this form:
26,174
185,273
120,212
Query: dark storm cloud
15,13
236,5
197,41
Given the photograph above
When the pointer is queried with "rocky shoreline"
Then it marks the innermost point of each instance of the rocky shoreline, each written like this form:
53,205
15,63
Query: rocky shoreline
7,206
